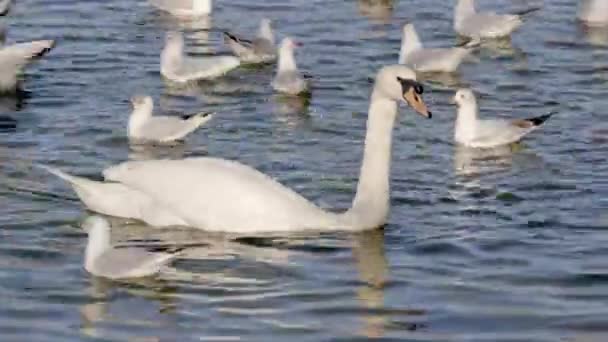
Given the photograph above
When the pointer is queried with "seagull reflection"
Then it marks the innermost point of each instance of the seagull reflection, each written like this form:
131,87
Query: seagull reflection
151,151
476,162
596,36
377,10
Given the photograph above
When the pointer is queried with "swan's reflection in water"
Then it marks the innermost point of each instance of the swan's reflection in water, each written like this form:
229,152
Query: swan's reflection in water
214,262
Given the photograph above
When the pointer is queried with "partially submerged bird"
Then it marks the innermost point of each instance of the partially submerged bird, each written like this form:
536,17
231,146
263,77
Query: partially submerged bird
103,260
15,57
146,127
470,23
422,59
184,8
261,49
288,79
224,195
177,67
594,13
474,132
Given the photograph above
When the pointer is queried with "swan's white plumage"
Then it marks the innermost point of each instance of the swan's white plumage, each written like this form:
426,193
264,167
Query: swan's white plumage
223,195
184,8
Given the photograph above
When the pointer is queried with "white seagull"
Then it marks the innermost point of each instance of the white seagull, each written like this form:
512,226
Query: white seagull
473,132
261,49
288,79
223,195
422,59
145,127
469,23
103,260
182,69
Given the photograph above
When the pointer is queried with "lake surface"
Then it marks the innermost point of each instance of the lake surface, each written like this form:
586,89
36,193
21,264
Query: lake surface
505,247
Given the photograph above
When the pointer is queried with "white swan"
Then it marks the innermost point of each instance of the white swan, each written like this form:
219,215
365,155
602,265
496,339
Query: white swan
469,23
101,259
594,12
223,195
261,49
288,79
184,8
181,69
145,127
470,131
422,59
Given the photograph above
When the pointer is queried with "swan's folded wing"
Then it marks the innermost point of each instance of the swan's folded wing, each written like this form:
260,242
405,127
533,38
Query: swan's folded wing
217,194
17,56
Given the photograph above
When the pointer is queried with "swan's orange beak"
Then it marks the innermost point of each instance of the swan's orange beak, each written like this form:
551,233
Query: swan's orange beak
415,101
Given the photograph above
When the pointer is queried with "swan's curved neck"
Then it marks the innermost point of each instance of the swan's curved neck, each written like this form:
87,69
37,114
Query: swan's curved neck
99,242
372,201
287,61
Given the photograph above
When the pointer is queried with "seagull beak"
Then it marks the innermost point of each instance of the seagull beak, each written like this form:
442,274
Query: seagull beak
415,101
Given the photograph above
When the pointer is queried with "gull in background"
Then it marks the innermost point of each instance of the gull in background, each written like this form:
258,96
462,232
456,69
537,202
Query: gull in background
594,13
423,59
471,131
261,49
184,8
145,127
177,67
5,6
103,260
288,79
477,25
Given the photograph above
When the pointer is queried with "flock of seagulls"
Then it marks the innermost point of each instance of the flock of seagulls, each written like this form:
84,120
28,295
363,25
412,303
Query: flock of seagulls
216,194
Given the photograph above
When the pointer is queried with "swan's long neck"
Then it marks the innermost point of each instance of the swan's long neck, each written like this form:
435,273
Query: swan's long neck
99,242
463,9
372,201
410,42
466,122
287,61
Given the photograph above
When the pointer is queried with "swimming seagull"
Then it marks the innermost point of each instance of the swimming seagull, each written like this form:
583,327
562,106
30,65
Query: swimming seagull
288,79
469,23
143,126
103,260
429,59
5,6
15,57
184,8
181,69
259,50
594,12
473,132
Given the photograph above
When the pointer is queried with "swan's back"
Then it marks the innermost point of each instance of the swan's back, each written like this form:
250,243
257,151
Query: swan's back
217,194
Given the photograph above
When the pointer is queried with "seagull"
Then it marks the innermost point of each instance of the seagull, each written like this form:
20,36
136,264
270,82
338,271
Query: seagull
471,131
423,59
15,57
594,13
184,8
143,126
470,23
103,260
5,6
262,49
182,69
288,79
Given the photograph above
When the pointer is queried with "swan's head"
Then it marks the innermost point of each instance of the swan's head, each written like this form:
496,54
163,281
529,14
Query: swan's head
464,98
141,101
398,83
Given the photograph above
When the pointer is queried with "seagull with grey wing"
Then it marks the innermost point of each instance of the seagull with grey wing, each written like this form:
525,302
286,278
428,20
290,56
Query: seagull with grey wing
145,127
473,132
104,260
15,57
261,49
288,79
422,59
479,25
